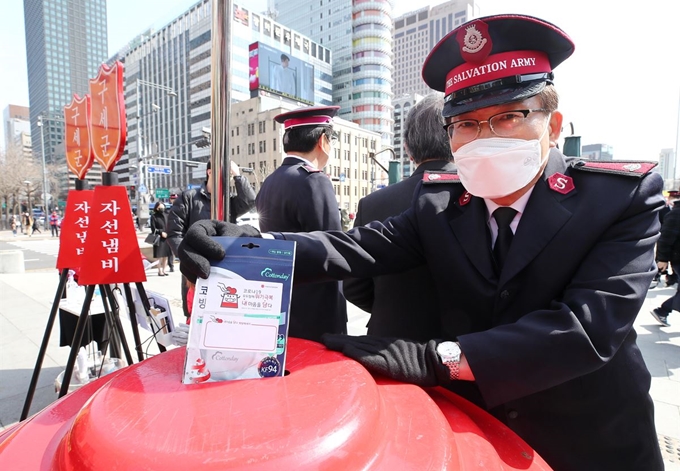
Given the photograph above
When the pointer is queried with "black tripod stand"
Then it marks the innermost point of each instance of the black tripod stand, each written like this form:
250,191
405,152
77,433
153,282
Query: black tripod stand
111,312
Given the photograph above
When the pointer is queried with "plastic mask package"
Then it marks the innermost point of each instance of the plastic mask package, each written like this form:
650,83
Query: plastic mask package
239,320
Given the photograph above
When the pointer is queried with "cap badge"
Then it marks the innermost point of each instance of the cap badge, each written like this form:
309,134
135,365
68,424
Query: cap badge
632,167
561,183
475,42
464,198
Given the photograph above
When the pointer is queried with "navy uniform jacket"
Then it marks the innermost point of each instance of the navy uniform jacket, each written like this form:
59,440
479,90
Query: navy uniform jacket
298,198
403,304
551,340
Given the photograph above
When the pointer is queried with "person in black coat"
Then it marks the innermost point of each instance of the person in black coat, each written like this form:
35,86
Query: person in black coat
299,197
161,250
668,251
194,205
414,312
541,263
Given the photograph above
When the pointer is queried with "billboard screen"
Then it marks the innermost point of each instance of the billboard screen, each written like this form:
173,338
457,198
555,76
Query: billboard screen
276,71
241,15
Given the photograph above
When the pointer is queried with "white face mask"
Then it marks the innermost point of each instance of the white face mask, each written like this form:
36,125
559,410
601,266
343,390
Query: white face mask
499,166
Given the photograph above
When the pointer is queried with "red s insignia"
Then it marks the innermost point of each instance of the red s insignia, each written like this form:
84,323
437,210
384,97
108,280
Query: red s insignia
464,198
561,183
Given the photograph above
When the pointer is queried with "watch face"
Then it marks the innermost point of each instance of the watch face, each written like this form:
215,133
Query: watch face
448,349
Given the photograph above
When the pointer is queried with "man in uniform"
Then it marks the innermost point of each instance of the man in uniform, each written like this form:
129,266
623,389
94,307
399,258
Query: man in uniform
299,197
541,263
405,303
668,252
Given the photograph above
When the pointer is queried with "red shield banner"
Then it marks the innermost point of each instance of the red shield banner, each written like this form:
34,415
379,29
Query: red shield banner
74,229
79,156
112,249
107,119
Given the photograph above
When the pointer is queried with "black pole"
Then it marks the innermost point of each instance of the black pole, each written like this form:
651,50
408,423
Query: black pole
114,338
109,178
81,184
147,310
133,320
43,346
77,340
116,321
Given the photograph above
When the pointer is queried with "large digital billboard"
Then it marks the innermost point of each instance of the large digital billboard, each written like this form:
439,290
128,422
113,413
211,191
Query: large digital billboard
278,72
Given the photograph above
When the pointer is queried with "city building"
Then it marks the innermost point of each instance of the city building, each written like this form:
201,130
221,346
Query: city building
66,42
597,152
256,144
168,78
666,167
402,105
415,35
17,127
359,33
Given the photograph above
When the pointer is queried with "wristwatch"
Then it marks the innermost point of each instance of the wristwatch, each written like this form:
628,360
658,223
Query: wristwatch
449,352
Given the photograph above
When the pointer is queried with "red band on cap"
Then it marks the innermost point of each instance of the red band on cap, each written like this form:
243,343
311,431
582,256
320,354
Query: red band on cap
293,122
497,66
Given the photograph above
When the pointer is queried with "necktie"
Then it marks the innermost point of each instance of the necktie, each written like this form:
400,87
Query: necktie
503,217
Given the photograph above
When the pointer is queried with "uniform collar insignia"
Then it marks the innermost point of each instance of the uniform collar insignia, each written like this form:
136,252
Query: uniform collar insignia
561,183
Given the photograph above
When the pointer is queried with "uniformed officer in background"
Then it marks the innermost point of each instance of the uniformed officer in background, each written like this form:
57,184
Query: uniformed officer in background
541,263
299,197
405,302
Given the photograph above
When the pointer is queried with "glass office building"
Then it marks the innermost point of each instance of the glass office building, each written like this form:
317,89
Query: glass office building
66,42
359,33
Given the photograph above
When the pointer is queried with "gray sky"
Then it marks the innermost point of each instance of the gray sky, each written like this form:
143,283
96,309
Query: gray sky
621,87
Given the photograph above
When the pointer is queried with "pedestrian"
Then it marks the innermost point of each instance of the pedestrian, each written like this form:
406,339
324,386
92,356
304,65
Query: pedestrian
171,257
344,219
194,205
13,224
159,224
668,255
27,224
541,262
670,278
299,197
427,145
54,224
36,226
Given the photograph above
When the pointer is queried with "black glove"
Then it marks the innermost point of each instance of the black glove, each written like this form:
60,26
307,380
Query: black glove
399,359
198,247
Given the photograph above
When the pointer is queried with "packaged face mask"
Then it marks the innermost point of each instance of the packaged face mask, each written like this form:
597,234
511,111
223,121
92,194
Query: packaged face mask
239,321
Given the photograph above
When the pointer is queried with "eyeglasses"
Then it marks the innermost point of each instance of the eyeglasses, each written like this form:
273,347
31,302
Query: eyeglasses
505,124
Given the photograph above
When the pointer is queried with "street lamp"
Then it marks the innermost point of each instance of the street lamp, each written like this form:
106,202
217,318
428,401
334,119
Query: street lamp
44,166
140,160
393,171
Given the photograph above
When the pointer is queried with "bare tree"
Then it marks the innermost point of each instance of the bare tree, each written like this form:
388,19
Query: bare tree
264,169
55,179
20,181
